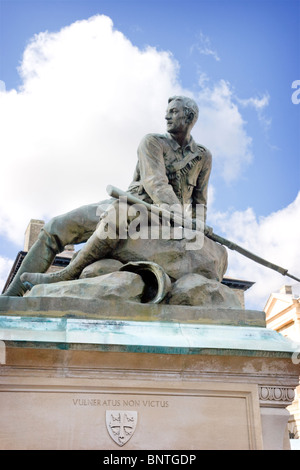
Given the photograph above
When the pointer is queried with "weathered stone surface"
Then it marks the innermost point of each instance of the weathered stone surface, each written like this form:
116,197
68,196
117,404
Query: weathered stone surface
194,289
174,257
103,266
123,310
124,285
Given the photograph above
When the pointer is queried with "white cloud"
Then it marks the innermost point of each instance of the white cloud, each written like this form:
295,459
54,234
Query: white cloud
255,102
203,79
88,97
221,127
203,46
259,104
274,238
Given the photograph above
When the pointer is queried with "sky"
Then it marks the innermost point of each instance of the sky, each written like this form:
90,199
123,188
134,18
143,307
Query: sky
81,82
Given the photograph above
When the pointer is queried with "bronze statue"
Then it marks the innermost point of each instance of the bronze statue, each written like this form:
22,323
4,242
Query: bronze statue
171,169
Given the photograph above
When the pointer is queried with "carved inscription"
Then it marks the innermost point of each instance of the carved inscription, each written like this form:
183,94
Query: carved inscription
121,413
148,403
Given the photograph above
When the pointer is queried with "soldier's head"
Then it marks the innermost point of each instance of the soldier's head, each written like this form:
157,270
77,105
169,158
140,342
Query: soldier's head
181,111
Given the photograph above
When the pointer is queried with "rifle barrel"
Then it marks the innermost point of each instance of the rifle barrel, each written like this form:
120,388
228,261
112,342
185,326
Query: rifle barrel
248,254
116,193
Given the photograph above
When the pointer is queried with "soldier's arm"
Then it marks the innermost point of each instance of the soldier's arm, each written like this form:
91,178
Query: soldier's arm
200,190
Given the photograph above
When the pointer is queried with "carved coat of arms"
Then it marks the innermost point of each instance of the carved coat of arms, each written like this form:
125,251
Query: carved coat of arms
121,425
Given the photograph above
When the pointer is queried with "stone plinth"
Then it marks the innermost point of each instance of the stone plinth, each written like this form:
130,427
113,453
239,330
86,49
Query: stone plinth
69,382
116,309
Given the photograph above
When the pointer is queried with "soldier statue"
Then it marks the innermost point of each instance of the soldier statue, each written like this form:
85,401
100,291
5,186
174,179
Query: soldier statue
172,169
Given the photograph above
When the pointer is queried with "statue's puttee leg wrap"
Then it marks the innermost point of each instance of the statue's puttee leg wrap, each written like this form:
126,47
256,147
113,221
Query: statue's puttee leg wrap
39,258
70,228
97,247
93,250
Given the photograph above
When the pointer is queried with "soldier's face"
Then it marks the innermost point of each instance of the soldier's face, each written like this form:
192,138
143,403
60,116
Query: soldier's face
176,118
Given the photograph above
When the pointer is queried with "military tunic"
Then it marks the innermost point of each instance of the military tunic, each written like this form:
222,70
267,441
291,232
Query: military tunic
171,174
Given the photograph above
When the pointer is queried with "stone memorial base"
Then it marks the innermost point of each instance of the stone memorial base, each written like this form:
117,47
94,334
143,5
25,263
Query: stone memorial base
75,380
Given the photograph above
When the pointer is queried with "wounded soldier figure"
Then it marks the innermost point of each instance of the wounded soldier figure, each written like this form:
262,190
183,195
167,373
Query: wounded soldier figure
172,169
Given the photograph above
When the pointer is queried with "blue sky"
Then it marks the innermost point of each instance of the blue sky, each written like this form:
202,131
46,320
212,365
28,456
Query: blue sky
238,57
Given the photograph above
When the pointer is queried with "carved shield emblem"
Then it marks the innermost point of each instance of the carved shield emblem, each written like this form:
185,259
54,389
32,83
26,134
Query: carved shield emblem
121,425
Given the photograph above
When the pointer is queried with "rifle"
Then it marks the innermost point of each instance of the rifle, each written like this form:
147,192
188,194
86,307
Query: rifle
208,231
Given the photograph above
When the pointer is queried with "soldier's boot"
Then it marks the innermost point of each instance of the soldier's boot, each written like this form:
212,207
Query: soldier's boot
39,258
94,249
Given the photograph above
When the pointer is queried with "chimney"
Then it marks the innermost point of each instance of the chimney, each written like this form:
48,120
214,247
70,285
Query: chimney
32,233
286,290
